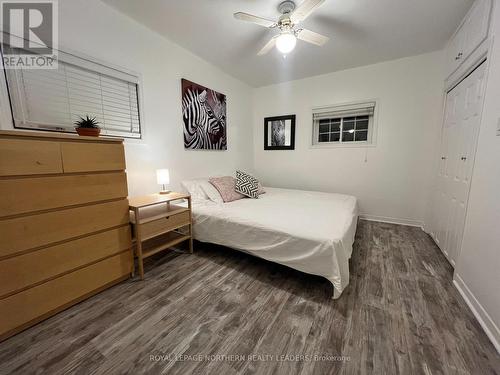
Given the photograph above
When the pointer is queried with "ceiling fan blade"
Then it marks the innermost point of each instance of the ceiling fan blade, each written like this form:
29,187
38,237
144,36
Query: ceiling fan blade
269,46
254,19
304,10
312,37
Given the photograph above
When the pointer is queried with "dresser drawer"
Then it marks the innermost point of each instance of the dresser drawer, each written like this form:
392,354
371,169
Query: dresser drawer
39,230
25,308
22,195
28,157
165,224
91,157
25,270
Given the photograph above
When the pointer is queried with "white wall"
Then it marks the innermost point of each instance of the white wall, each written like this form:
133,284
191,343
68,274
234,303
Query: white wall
393,182
95,29
478,267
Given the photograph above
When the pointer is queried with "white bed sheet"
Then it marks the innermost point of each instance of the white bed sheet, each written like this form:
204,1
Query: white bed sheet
312,232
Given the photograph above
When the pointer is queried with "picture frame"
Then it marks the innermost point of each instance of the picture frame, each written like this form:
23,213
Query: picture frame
204,117
279,133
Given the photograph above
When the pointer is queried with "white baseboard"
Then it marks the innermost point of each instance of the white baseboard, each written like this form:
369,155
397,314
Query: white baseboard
479,312
427,229
392,220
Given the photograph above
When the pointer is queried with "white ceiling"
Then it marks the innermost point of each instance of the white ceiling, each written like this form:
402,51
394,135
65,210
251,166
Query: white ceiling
361,32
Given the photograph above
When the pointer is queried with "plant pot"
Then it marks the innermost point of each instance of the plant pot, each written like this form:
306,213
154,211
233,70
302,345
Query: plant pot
88,132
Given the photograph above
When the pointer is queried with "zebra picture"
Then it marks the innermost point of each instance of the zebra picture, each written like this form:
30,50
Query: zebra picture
279,133
204,115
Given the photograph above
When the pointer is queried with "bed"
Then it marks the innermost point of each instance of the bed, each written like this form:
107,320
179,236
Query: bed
312,232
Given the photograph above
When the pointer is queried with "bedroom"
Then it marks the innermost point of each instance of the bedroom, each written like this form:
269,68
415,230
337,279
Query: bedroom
414,297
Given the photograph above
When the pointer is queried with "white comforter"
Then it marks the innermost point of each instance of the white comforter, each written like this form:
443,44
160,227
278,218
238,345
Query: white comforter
309,231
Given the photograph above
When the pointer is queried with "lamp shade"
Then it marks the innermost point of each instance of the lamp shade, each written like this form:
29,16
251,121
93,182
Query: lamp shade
162,176
286,42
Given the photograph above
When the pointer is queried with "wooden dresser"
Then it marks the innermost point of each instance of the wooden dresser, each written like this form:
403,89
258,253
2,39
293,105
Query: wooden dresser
64,223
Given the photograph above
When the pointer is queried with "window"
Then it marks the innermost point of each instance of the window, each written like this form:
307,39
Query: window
53,99
349,124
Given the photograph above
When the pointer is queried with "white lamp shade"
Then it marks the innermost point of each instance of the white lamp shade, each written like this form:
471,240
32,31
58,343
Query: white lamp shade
286,42
162,176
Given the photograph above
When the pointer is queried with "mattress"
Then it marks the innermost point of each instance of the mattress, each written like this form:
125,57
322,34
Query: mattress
312,232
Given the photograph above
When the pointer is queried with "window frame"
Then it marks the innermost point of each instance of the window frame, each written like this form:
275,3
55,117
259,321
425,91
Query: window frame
8,94
372,126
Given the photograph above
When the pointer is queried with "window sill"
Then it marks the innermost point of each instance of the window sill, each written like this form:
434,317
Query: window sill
342,145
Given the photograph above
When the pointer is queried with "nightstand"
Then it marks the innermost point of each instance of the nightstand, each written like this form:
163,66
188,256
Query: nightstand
159,222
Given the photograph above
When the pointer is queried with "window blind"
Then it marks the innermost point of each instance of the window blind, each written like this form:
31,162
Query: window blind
54,99
363,109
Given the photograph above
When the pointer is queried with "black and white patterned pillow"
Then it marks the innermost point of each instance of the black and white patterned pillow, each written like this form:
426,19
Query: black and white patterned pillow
247,185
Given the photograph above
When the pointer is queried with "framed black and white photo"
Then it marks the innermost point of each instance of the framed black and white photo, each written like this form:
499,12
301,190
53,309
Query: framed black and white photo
279,133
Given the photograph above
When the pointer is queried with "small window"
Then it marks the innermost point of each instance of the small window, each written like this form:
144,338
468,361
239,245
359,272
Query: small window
53,99
351,124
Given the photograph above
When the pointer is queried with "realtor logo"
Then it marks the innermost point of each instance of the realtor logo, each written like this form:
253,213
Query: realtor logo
29,34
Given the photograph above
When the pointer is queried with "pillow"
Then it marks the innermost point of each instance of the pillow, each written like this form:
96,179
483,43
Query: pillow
225,186
212,193
193,187
247,184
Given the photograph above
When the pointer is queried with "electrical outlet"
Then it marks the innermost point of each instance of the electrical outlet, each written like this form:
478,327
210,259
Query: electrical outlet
498,128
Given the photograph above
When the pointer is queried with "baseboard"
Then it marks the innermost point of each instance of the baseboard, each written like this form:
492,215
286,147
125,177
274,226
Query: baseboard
479,312
426,229
392,220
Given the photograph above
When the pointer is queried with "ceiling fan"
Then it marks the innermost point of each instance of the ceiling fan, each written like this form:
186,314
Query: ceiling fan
287,24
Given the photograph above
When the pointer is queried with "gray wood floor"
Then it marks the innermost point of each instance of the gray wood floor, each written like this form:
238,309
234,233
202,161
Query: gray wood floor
399,315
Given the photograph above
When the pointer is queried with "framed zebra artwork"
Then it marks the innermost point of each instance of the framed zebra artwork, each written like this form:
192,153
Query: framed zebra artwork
279,133
204,115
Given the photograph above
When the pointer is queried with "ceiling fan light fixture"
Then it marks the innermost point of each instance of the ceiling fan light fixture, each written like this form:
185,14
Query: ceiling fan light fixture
291,16
285,43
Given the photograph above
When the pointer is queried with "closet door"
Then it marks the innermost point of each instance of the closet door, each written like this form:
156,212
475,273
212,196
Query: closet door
454,52
458,147
469,36
476,26
454,103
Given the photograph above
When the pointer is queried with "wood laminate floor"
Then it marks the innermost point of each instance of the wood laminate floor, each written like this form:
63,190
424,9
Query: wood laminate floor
224,312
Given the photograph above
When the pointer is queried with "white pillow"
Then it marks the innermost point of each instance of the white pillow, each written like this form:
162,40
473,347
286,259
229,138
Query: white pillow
212,193
193,187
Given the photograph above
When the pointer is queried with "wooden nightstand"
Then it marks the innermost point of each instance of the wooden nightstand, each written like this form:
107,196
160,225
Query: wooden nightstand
159,224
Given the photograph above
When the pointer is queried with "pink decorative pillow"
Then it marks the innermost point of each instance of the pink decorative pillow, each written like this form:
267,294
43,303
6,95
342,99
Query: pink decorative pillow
225,185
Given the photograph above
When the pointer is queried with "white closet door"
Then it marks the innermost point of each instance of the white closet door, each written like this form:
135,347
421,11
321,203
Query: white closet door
458,147
442,200
455,47
476,26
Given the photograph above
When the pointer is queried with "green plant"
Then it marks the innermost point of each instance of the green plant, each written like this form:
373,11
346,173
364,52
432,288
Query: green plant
87,122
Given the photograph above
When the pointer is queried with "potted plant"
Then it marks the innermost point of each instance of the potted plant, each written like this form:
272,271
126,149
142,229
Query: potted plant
87,127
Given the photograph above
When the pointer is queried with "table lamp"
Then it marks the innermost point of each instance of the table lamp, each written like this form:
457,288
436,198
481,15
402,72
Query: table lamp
163,179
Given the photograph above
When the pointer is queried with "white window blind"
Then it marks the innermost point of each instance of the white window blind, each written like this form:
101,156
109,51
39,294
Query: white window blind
54,99
351,110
